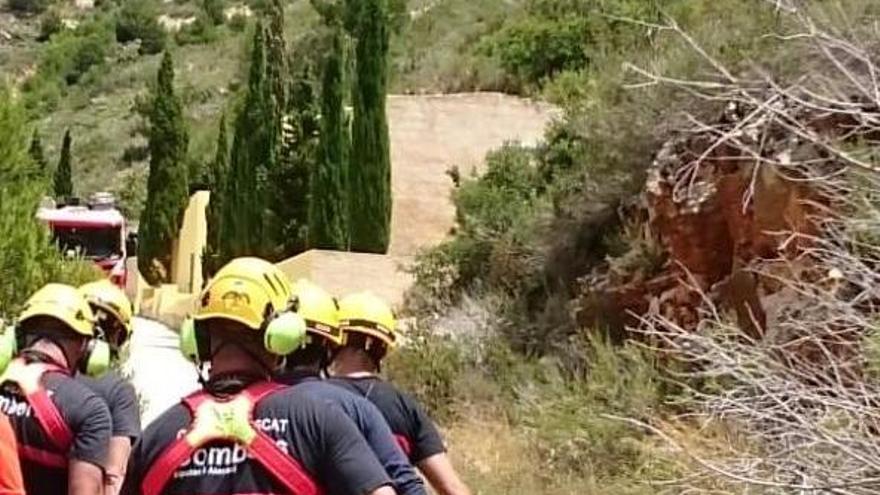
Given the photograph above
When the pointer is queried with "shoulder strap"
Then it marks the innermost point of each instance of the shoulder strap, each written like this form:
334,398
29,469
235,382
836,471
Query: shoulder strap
404,443
214,420
28,376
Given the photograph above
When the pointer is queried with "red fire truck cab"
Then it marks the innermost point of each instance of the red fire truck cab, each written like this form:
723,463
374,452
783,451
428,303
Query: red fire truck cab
97,231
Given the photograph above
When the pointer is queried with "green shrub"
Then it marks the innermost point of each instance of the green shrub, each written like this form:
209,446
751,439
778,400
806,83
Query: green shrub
65,59
238,23
137,20
201,31
430,368
558,410
214,11
565,415
50,23
29,6
534,49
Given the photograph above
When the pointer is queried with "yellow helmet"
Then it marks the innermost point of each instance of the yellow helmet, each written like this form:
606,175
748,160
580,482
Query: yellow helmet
364,313
246,290
103,295
318,309
64,303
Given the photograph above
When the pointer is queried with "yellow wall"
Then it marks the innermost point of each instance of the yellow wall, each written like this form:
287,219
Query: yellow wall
186,268
170,303
342,273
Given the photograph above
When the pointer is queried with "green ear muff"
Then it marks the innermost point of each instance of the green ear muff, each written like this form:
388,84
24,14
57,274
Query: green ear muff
285,334
189,345
96,362
8,347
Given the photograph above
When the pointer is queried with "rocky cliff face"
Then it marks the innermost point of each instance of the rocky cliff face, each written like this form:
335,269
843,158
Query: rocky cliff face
730,208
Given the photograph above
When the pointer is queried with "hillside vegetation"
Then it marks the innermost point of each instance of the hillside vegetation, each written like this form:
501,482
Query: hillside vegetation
632,302
674,293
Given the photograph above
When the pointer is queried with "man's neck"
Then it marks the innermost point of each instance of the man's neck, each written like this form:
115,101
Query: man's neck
351,368
52,351
230,361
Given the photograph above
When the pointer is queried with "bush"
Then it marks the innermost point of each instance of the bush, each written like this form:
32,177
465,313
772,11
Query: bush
50,24
535,49
214,11
238,23
489,209
137,20
29,6
557,410
65,59
566,414
201,31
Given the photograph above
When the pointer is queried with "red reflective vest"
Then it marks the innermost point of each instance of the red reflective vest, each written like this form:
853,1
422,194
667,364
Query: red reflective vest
231,420
28,377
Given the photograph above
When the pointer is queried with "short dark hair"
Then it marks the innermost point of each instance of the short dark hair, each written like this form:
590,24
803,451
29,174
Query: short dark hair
39,327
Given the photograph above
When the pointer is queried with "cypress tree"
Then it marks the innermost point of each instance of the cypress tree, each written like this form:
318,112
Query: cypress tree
329,211
63,176
244,210
36,153
217,180
167,185
276,60
295,168
370,173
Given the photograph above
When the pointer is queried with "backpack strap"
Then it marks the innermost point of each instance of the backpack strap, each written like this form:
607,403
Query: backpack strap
230,420
405,444
28,378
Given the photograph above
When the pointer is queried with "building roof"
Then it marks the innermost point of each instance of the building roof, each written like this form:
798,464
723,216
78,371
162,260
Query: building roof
80,216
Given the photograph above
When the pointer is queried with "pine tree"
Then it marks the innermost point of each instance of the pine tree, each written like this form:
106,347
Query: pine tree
63,175
245,207
370,175
217,180
167,185
36,153
329,210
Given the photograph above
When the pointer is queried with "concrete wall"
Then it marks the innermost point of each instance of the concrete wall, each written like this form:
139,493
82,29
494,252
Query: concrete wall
186,268
343,273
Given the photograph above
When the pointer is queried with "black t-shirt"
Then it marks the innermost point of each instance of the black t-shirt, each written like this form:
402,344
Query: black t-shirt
84,412
404,415
122,400
322,439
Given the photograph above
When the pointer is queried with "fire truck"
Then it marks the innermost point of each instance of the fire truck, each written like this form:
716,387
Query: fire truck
97,231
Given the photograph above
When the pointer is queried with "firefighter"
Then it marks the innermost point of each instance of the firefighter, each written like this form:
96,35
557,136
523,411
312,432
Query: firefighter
11,482
243,433
62,427
113,312
304,367
368,333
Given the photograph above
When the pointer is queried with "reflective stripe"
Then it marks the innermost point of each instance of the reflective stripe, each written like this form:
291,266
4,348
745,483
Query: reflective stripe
50,419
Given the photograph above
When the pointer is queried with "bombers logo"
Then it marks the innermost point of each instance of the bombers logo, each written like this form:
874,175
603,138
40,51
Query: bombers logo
221,459
14,406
